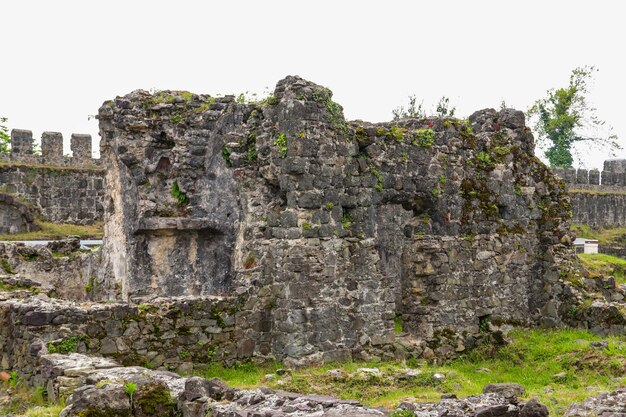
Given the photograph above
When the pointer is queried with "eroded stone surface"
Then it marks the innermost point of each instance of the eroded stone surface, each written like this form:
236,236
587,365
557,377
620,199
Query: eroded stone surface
328,229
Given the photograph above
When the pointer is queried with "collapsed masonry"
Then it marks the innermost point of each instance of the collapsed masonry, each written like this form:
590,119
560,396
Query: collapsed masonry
324,233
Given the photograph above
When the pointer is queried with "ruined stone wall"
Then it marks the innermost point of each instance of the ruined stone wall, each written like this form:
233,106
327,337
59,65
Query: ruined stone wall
57,188
331,230
15,216
173,334
598,197
70,276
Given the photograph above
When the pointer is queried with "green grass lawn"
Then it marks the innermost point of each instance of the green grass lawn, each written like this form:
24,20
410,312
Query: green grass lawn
599,264
532,359
613,236
558,367
58,231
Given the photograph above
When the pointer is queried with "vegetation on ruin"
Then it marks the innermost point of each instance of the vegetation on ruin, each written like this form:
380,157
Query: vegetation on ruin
417,111
25,401
52,169
65,346
5,139
50,231
178,194
599,264
558,367
615,236
564,118
281,143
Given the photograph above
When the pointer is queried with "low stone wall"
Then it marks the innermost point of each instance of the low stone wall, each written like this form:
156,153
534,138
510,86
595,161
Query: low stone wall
175,334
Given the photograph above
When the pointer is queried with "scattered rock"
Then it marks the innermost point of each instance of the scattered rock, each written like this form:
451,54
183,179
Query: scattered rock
65,246
437,377
337,373
366,373
407,373
534,408
484,405
603,344
606,404
509,390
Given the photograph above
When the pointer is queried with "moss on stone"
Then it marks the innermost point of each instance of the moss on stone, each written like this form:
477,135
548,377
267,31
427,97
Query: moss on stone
104,412
154,400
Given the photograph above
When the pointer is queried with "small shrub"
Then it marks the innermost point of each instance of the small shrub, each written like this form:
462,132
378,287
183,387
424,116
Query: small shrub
226,156
398,324
65,346
179,195
129,389
425,137
346,221
7,267
281,143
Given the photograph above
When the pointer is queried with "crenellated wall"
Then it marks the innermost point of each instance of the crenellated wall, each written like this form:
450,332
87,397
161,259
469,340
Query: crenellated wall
51,153
54,187
598,197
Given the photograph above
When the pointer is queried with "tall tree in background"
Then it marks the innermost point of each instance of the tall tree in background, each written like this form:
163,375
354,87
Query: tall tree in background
564,118
5,140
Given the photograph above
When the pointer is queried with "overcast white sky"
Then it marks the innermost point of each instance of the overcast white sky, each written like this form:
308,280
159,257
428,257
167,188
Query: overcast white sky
61,59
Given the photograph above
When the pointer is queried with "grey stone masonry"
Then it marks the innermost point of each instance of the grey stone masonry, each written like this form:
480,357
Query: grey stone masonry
329,229
21,142
598,197
56,188
22,150
52,146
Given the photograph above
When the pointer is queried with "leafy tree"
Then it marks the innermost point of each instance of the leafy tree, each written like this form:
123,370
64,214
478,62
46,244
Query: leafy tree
564,118
5,140
417,111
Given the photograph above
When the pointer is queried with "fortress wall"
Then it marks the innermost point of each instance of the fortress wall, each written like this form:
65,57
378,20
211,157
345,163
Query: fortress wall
57,188
598,197
171,333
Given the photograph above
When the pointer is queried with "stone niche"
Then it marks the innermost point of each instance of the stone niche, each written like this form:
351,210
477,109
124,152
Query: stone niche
328,231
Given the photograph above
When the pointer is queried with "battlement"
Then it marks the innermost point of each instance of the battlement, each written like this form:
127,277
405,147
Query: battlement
611,177
51,150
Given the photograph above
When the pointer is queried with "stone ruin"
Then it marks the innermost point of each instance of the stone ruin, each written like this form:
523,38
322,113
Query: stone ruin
331,229
277,230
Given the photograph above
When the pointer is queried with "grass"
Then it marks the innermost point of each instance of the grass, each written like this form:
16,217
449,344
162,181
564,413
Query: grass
50,231
532,359
28,402
613,236
599,264
598,192
56,168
